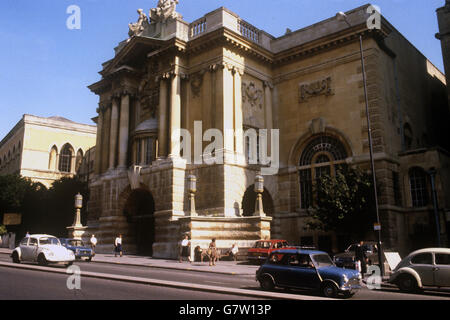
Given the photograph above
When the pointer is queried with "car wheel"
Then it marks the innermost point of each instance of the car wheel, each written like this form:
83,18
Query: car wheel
266,283
329,290
89,259
42,261
407,283
15,257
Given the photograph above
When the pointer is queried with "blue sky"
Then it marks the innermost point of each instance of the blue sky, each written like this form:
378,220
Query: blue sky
45,68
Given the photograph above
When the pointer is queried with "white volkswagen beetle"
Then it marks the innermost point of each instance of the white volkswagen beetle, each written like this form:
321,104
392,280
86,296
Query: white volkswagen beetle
423,268
43,249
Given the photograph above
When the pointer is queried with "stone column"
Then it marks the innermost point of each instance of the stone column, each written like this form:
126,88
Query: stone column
175,115
268,112
105,139
238,113
162,127
113,134
98,143
123,130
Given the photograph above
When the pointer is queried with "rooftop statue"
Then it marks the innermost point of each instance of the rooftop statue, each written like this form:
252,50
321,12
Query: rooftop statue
165,9
138,28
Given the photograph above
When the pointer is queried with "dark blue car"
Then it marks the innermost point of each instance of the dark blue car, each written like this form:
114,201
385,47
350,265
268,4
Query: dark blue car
78,247
307,269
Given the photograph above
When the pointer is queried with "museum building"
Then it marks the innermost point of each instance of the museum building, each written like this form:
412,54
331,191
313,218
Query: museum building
229,75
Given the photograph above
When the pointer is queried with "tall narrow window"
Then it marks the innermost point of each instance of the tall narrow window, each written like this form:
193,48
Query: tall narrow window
418,185
396,187
65,159
324,155
52,159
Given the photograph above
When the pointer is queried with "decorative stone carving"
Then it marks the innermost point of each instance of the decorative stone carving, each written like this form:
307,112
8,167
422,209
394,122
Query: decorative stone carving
314,89
136,29
317,126
252,94
165,9
196,83
134,177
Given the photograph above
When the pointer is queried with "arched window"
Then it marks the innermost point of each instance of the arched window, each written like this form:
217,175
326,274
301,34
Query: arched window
52,158
65,158
323,155
418,187
78,160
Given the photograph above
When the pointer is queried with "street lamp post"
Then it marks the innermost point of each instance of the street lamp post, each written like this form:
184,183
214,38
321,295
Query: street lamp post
343,17
259,189
192,184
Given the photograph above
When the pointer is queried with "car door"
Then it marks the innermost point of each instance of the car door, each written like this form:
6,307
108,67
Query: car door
24,248
303,274
442,270
422,263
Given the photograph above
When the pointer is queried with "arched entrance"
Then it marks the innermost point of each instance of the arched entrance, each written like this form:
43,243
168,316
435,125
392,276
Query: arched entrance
249,201
139,209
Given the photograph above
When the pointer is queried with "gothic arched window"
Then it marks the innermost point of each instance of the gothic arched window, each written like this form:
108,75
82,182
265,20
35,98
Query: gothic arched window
323,155
418,187
65,158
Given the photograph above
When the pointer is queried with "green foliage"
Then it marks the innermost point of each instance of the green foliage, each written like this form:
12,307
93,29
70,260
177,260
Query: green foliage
2,230
43,210
345,203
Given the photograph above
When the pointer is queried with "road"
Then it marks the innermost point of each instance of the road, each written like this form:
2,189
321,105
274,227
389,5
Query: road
26,284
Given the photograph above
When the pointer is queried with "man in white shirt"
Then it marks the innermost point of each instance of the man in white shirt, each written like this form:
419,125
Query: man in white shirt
234,251
93,242
118,245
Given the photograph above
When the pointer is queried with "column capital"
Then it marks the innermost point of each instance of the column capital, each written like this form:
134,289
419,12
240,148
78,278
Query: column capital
268,84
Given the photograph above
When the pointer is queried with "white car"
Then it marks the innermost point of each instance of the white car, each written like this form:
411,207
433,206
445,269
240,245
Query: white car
43,249
423,268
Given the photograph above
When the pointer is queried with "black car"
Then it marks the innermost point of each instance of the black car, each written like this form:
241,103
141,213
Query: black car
347,259
78,247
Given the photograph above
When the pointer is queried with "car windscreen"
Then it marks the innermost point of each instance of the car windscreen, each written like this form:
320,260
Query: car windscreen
48,240
262,244
322,260
75,243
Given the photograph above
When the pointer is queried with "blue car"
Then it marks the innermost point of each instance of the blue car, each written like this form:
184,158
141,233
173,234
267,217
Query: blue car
307,269
78,247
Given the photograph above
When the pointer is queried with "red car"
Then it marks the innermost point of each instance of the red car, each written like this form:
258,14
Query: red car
263,248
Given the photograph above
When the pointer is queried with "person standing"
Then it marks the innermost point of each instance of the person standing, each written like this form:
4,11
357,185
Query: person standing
185,249
213,252
118,245
360,255
234,251
27,235
93,243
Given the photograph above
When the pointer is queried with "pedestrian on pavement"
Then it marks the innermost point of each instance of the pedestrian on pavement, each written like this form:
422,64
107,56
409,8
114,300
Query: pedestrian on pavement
185,249
234,251
118,246
27,235
360,255
93,243
212,252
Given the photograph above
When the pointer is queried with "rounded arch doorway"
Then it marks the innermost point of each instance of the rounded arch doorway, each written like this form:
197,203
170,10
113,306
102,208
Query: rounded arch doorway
249,201
139,210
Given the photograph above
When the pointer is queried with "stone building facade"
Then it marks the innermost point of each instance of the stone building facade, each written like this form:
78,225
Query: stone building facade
47,149
443,15
229,75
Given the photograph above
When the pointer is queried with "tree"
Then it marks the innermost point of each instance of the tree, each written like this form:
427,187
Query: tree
61,197
344,203
2,230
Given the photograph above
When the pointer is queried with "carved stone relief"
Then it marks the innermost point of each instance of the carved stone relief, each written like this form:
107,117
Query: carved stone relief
252,94
314,89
